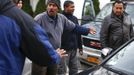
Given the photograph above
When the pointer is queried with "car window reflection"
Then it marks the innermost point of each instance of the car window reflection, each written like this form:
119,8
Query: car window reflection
103,71
123,60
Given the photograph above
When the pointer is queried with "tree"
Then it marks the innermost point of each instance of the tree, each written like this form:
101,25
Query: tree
26,7
96,6
41,7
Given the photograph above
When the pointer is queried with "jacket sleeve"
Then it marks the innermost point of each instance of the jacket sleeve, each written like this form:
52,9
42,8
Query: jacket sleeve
104,33
44,39
70,26
81,30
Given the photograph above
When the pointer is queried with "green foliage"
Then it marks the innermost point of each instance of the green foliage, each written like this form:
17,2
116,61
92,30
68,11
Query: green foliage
96,6
41,7
26,7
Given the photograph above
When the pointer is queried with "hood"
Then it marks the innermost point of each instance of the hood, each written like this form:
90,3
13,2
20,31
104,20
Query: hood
30,44
97,26
5,5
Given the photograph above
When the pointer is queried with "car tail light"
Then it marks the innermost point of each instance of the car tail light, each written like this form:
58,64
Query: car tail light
91,43
95,44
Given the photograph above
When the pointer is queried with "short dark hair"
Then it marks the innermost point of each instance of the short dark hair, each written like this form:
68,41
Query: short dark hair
66,3
119,1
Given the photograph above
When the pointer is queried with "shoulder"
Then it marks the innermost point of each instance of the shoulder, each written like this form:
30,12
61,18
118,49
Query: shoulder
6,20
8,23
127,15
108,17
75,17
40,15
61,15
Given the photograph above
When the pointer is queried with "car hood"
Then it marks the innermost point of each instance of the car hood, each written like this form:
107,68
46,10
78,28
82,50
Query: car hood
97,26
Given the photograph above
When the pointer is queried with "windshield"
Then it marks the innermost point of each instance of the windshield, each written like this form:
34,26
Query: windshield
130,11
124,59
102,71
106,10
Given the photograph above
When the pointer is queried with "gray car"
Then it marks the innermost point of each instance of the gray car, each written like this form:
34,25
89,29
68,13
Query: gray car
120,62
91,43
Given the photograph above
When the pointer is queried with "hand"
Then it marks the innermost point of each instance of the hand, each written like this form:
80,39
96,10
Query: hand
61,52
81,51
106,51
92,30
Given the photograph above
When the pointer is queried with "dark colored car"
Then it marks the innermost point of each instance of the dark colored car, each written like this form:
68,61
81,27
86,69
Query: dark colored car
120,62
91,43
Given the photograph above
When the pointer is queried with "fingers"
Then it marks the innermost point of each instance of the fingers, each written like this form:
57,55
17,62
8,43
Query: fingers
92,30
61,52
81,52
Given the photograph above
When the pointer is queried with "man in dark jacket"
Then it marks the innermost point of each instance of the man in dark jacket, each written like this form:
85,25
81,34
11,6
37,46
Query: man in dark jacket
70,40
54,23
116,28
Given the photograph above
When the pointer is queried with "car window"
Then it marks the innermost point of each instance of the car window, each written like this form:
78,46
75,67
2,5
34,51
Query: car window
106,10
88,12
102,71
88,9
124,59
130,11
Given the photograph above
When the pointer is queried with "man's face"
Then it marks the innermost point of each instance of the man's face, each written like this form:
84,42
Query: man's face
118,9
52,9
70,9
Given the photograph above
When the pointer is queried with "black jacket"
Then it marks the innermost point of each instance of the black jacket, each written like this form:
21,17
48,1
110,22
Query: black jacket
115,32
71,40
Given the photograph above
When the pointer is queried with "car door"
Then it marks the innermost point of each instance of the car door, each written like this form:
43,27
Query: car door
88,12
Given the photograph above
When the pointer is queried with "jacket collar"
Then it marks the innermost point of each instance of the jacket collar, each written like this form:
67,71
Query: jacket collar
51,19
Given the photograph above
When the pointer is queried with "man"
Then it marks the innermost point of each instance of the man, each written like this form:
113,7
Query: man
54,24
20,38
70,40
116,29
